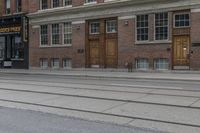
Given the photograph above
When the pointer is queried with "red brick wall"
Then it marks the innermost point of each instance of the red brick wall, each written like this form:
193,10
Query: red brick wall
195,39
34,5
130,51
78,43
78,2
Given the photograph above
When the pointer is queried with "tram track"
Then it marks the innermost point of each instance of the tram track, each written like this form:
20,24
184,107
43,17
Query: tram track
100,98
150,92
104,113
92,86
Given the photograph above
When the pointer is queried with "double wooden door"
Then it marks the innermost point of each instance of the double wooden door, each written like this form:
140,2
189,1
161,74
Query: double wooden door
181,49
101,54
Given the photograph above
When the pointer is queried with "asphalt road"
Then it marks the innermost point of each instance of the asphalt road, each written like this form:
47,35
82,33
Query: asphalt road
24,121
163,105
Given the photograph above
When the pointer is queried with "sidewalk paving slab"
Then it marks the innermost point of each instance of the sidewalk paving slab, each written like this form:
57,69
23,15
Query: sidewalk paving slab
170,75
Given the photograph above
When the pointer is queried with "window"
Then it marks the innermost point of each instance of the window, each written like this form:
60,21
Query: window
182,20
55,64
67,2
18,5
68,33
55,3
89,1
44,4
161,26
142,28
44,63
94,28
55,34
17,48
7,6
161,64
44,34
67,63
142,64
111,26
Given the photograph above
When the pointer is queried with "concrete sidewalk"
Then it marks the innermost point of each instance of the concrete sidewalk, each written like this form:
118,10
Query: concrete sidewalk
110,73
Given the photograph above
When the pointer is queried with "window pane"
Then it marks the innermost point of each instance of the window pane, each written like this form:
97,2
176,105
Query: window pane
182,20
44,34
142,27
55,34
67,33
94,27
111,26
161,26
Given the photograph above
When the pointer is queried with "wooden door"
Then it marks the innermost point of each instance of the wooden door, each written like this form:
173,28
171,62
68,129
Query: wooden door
111,53
94,53
181,48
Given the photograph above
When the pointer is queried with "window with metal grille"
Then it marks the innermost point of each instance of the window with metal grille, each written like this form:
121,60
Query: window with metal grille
44,63
142,28
161,64
55,63
161,26
44,34
67,63
68,33
142,64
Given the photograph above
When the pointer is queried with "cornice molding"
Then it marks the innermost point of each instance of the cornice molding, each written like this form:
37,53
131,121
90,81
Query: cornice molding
110,9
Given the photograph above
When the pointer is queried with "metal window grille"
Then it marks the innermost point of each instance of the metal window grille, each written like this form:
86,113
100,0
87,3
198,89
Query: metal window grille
142,64
44,63
161,64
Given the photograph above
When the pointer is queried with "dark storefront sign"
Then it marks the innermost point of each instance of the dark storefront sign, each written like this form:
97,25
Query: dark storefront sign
14,41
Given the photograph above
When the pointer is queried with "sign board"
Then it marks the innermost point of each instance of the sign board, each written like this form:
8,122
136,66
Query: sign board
7,63
10,29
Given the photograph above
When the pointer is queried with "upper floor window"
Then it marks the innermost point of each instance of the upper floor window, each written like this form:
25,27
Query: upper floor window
111,26
89,1
68,33
67,2
18,5
142,28
43,4
55,34
55,3
44,34
161,26
94,28
7,6
182,20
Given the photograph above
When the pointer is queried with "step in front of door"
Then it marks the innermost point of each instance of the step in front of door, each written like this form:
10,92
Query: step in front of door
181,67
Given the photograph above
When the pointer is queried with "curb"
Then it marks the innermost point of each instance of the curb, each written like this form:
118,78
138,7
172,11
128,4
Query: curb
100,76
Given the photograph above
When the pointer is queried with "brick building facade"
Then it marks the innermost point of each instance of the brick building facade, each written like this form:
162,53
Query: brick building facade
14,34
146,34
